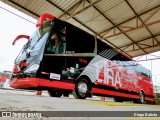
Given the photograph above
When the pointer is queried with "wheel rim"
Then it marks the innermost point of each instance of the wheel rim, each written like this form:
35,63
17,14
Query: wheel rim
82,88
141,97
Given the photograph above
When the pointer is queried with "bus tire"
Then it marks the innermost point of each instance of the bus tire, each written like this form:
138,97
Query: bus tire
82,89
55,93
141,98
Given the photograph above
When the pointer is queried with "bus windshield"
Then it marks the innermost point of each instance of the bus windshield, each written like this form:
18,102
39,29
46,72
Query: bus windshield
35,41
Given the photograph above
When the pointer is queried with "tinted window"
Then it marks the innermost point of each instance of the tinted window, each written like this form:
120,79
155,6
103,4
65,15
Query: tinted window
129,64
101,46
142,70
57,41
79,41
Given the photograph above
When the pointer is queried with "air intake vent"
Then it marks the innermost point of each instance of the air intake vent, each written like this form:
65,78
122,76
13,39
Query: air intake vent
108,53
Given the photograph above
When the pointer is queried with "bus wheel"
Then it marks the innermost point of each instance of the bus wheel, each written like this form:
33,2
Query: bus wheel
141,97
55,93
82,89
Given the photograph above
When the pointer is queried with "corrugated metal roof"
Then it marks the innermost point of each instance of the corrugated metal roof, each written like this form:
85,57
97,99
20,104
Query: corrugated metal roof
155,28
158,38
121,41
147,42
124,12
130,48
136,53
152,49
139,34
94,20
106,5
128,25
143,5
65,4
74,22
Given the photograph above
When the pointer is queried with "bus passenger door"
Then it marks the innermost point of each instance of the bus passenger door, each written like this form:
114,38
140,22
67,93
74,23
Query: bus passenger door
54,59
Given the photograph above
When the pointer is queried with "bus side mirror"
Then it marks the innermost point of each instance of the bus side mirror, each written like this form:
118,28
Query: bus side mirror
43,17
19,37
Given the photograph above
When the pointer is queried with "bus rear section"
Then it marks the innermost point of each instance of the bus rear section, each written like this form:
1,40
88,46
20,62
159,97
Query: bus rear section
63,59
122,80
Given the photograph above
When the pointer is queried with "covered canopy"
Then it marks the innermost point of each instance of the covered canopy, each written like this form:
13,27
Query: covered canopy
130,26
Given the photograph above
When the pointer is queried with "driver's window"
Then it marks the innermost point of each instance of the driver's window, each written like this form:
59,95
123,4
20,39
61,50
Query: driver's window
57,43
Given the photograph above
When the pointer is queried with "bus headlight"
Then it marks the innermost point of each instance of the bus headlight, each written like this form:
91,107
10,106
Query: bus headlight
32,68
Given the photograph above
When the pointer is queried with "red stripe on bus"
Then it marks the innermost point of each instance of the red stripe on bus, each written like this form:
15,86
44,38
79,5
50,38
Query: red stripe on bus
113,93
38,82
56,84
149,99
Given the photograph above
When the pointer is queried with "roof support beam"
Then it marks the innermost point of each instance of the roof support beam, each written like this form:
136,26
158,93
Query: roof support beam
140,19
133,46
69,14
145,45
115,26
156,10
23,8
148,59
130,19
71,9
140,41
143,48
83,9
132,29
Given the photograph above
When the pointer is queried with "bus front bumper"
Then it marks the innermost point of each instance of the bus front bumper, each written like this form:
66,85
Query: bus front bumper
35,83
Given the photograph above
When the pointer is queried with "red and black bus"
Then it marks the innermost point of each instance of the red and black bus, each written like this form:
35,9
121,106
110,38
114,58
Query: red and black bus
62,58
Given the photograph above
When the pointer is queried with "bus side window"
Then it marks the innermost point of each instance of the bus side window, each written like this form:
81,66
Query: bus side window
143,71
52,43
57,43
129,65
61,45
60,48
118,62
